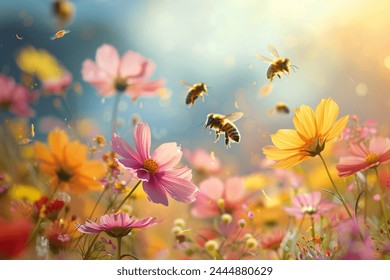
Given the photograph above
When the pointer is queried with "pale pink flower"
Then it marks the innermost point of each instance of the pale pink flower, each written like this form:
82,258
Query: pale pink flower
203,161
16,98
272,240
57,85
211,192
116,225
378,152
112,74
159,171
308,204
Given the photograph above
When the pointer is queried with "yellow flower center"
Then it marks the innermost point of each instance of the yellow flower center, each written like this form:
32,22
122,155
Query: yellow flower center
64,175
151,166
372,158
120,84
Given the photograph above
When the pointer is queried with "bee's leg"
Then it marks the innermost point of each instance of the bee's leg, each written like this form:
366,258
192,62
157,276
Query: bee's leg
227,140
279,76
216,136
202,97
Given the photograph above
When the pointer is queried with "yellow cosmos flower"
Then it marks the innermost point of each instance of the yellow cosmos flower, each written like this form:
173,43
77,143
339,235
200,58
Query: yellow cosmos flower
40,63
67,163
312,131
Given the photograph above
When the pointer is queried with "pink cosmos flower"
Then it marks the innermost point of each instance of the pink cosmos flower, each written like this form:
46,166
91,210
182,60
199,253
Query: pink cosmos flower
116,225
159,171
203,161
212,190
16,98
112,74
308,204
378,152
272,240
57,85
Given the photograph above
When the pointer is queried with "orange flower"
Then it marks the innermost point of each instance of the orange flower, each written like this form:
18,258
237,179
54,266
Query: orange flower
67,163
312,131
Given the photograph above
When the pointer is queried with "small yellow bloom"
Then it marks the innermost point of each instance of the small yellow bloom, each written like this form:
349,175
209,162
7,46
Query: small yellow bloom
67,163
312,131
40,63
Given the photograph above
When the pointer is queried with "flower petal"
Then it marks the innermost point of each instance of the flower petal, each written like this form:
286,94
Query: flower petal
350,165
179,189
337,128
305,123
75,154
379,145
359,150
326,114
212,187
131,64
122,148
43,154
57,141
107,58
142,140
275,153
167,156
287,139
155,191
290,161
234,189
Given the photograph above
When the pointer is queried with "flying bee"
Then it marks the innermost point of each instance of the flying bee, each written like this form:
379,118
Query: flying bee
278,65
63,10
194,91
224,124
280,108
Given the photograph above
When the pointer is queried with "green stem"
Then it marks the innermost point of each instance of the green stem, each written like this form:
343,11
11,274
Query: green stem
127,196
54,191
97,203
118,247
313,232
382,202
35,231
278,254
300,224
115,113
335,187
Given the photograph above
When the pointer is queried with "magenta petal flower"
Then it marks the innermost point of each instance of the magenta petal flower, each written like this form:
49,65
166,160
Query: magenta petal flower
378,152
308,204
116,225
159,171
111,74
16,98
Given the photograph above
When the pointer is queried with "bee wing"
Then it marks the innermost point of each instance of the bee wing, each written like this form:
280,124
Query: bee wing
266,59
185,83
234,116
273,51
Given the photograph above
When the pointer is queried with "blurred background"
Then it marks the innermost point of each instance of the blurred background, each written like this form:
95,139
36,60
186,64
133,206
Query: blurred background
342,50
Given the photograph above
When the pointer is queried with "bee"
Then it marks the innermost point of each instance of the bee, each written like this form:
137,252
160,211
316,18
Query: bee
63,10
278,65
194,91
59,34
224,124
280,108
